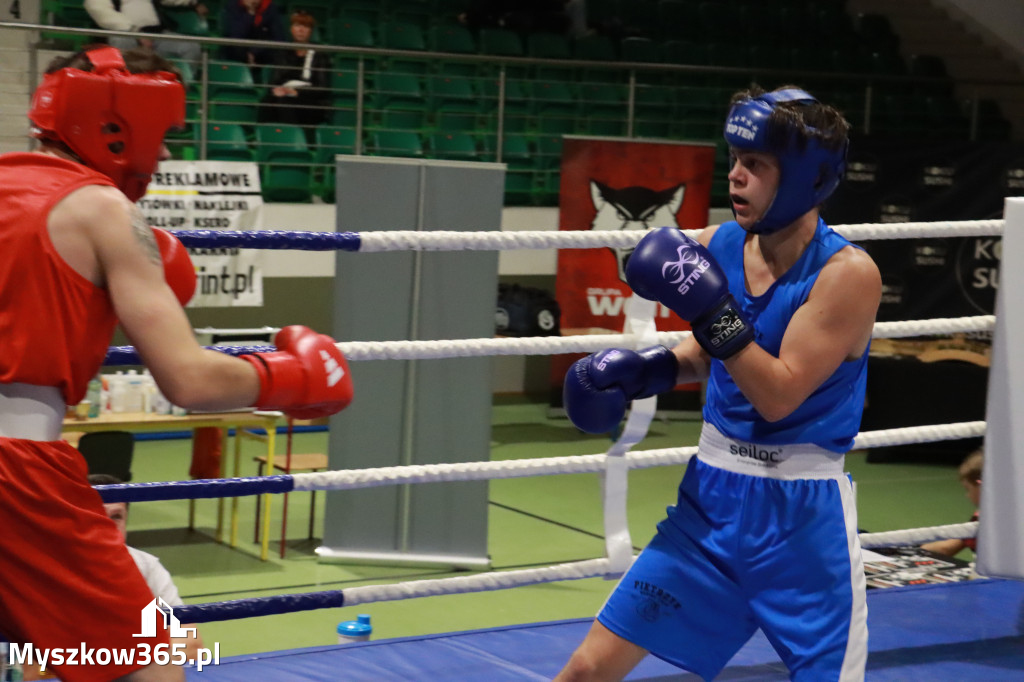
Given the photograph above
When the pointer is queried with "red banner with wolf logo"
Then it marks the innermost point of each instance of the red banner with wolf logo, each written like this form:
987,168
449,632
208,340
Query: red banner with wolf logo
611,184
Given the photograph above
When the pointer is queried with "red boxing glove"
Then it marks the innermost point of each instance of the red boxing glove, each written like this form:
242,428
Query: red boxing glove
307,377
178,269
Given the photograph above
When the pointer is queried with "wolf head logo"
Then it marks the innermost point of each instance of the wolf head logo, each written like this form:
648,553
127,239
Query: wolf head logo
633,208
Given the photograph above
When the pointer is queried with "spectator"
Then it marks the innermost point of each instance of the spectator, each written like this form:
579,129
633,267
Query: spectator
970,479
252,20
299,81
144,16
157,577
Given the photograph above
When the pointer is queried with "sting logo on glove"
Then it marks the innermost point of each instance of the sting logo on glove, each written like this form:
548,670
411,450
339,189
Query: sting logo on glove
725,327
686,270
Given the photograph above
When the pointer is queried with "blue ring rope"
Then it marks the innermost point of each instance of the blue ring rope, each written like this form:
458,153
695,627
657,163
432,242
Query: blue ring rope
259,606
127,355
270,239
199,489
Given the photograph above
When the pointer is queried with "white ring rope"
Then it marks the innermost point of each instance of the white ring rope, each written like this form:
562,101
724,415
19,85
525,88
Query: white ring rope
919,536
347,479
470,471
450,240
595,568
589,343
494,580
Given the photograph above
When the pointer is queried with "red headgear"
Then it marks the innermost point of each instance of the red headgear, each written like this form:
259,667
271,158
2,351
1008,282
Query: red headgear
113,120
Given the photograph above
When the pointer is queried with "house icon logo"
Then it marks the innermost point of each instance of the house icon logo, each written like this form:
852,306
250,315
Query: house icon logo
171,623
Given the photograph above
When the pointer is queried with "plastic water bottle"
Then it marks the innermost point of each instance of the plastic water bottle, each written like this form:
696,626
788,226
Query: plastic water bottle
94,394
358,630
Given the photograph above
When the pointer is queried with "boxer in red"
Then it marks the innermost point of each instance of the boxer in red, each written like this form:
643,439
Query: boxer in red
76,258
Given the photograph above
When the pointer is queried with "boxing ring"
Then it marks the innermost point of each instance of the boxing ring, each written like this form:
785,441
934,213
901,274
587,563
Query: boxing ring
958,631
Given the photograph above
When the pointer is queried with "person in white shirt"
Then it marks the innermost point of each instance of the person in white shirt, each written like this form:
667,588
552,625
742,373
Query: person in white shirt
143,16
157,577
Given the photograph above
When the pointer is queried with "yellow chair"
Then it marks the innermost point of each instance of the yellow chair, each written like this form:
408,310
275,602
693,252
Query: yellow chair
287,464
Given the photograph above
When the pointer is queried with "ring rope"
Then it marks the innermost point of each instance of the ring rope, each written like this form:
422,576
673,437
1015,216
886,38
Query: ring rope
489,581
554,345
348,479
919,536
495,240
588,463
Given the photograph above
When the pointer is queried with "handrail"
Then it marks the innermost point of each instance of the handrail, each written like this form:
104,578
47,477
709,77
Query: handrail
866,82
498,60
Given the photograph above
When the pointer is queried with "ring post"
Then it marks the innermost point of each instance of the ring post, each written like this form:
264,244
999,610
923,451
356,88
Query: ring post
1001,518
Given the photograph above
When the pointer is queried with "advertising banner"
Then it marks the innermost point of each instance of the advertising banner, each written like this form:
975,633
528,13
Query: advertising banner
616,184
212,195
890,181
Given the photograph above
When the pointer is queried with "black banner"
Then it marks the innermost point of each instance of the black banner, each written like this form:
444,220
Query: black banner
891,181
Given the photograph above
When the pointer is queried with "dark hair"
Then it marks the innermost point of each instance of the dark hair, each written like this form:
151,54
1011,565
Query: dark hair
800,121
136,60
303,17
104,479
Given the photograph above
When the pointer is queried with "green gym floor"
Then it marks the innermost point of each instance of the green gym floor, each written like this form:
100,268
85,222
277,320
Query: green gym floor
533,522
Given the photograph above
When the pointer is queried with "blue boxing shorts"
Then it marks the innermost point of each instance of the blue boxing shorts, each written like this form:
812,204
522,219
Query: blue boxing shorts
760,537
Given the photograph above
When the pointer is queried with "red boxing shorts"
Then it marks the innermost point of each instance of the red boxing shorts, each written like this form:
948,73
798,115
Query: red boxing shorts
67,581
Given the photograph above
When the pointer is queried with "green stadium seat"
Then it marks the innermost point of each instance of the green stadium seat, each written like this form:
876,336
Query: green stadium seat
66,13
500,42
232,93
330,141
596,48
187,21
397,143
369,11
639,49
227,142
352,33
554,107
398,102
519,187
457,121
549,152
418,12
548,188
454,146
402,35
452,93
397,90
548,46
517,102
286,169
451,38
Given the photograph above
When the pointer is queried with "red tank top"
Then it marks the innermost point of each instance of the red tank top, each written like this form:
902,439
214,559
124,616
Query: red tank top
55,325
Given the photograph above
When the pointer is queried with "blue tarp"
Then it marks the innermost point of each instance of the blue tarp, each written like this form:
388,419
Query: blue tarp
957,632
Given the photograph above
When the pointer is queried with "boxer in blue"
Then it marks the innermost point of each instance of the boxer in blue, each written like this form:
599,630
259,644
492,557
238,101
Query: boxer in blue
763,534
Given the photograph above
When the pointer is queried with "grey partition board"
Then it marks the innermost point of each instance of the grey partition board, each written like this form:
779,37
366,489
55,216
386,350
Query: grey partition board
414,411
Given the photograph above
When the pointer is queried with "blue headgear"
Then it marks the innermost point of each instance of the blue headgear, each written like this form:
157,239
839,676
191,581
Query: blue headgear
809,172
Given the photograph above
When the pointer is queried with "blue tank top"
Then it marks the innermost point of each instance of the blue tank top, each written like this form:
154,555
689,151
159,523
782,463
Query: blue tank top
830,417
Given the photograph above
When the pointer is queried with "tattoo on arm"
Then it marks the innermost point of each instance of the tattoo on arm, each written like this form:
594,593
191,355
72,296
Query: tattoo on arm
144,233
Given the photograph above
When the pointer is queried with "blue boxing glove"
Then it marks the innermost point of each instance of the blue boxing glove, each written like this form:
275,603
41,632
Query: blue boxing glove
598,387
669,267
